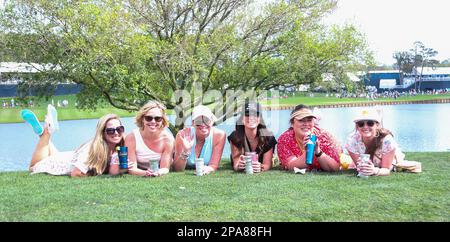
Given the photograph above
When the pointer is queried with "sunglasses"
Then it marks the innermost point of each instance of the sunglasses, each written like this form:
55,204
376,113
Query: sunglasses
119,129
203,121
369,123
251,114
150,118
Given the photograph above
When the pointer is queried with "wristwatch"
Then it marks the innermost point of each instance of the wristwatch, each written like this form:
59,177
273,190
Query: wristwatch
319,154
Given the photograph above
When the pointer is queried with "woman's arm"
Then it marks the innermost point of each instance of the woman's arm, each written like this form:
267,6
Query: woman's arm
295,161
385,166
267,160
77,173
327,163
327,152
114,169
181,153
236,154
218,144
130,142
288,160
166,157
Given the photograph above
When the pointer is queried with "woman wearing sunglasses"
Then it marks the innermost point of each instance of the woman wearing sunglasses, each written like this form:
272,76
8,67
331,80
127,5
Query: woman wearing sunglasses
202,140
150,141
95,157
291,144
370,138
252,135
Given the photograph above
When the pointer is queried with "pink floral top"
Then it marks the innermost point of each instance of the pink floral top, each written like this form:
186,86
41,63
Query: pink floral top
288,147
355,145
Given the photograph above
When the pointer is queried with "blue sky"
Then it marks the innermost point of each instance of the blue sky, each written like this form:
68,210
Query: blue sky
393,25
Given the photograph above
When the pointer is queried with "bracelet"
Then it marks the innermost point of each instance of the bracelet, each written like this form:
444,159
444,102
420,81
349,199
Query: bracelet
378,172
184,155
319,154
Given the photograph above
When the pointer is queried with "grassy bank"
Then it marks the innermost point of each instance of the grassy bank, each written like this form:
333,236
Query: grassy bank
321,99
227,196
70,112
12,115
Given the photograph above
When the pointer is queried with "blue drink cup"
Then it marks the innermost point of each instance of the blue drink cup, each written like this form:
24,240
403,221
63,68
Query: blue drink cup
310,145
123,157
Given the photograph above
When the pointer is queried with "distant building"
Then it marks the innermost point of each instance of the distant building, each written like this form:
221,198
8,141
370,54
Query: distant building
431,78
9,82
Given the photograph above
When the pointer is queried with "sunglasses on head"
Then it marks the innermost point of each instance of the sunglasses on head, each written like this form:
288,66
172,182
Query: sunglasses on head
150,118
369,123
111,131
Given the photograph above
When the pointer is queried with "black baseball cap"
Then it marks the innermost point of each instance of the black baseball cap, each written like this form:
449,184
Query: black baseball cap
252,108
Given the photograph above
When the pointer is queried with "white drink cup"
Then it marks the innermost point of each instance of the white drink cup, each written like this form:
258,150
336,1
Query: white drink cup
199,163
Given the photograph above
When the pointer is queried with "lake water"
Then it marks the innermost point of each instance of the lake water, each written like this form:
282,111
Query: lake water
418,127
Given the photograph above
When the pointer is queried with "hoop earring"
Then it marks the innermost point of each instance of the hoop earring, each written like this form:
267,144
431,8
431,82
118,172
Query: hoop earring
378,133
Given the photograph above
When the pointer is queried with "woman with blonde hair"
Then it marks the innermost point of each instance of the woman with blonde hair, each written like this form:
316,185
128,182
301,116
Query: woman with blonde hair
92,158
150,142
371,138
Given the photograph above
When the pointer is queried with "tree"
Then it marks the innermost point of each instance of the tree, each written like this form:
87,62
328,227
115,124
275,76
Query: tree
422,58
127,52
404,62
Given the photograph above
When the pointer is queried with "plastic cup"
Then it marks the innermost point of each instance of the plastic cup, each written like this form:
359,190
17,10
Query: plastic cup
253,155
154,165
365,158
248,164
199,163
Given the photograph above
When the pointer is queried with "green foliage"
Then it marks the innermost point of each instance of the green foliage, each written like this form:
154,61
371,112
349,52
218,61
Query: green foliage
127,52
228,196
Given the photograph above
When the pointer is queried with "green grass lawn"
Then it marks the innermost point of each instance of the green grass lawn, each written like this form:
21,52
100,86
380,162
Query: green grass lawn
229,196
12,115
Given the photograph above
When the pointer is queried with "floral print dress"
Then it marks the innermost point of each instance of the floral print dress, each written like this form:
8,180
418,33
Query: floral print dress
62,163
355,145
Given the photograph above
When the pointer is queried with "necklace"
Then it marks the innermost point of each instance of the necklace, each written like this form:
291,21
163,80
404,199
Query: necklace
300,144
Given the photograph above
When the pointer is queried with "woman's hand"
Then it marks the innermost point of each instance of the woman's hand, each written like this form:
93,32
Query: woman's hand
187,139
367,169
316,146
305,140
241,164
256,167
317,149
207,169
152,173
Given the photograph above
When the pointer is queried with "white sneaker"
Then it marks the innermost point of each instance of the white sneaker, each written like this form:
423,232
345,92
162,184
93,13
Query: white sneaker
52,119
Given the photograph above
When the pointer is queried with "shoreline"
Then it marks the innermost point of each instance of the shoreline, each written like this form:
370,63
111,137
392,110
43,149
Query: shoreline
362,104
333,105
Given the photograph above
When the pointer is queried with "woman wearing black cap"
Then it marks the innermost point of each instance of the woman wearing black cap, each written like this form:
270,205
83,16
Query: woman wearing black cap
252,135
